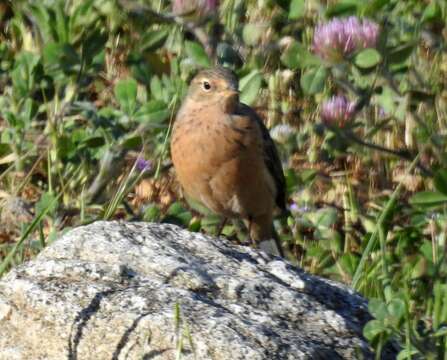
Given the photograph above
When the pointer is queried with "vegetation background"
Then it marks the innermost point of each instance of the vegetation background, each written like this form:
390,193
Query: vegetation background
89,90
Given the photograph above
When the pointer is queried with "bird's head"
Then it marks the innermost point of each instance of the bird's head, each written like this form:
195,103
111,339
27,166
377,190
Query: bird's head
218,86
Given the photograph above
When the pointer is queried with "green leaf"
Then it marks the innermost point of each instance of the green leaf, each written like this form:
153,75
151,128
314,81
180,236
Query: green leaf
151,213
29,111
440,181
397,308
297,56
195,225
132,142
400,53
140,69
61,22
23,76
197,53
44,21
66,146
94,142
12,120
407,354
156,87
315,251
428,198
126,95
297,9
373,6
290,56
313,80
82,15
323,218
308,175
249,86
292,179
378,309
154,111
252,33
334,237
349,263
179,213
426,249
346,7
47,203
60,59
373,328
198,206
387,100
419,269
5,149
211,221
432,12
441,332
153,40
367,58
93,44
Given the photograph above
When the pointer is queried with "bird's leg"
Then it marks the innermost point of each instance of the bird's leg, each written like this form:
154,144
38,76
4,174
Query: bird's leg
262,235
250,237
221,225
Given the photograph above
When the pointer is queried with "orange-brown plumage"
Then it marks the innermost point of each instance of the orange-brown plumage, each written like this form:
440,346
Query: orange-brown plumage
224,156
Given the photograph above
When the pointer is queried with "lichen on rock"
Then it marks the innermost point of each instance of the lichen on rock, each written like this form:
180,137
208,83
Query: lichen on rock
114,290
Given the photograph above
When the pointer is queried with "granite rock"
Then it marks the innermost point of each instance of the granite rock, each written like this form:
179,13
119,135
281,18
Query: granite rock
116,290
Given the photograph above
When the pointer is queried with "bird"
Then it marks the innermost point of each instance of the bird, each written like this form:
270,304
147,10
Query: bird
225,159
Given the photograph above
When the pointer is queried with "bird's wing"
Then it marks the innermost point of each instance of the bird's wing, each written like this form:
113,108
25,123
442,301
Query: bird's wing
271,157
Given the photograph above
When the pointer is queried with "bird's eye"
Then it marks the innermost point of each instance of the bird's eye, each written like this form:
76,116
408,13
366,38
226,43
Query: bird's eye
206,86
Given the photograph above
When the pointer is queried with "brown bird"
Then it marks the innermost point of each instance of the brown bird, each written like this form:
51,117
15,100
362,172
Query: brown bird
225,158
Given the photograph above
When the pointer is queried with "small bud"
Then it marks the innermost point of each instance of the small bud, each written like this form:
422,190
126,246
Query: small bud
338,111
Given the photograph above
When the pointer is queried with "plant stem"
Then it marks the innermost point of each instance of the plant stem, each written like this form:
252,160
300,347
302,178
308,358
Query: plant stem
403,154
208,42
372,240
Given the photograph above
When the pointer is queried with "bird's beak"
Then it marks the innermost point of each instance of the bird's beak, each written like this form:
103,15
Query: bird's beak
231,93
231,96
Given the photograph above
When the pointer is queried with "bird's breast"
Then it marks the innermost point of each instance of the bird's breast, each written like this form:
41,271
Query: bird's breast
203,147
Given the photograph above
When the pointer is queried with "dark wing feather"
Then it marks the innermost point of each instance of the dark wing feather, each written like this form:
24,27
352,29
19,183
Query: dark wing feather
271,157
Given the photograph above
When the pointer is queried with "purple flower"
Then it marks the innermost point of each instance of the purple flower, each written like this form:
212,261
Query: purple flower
296,209
195,7
370,34
337,111
143,165
381,113
340,38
